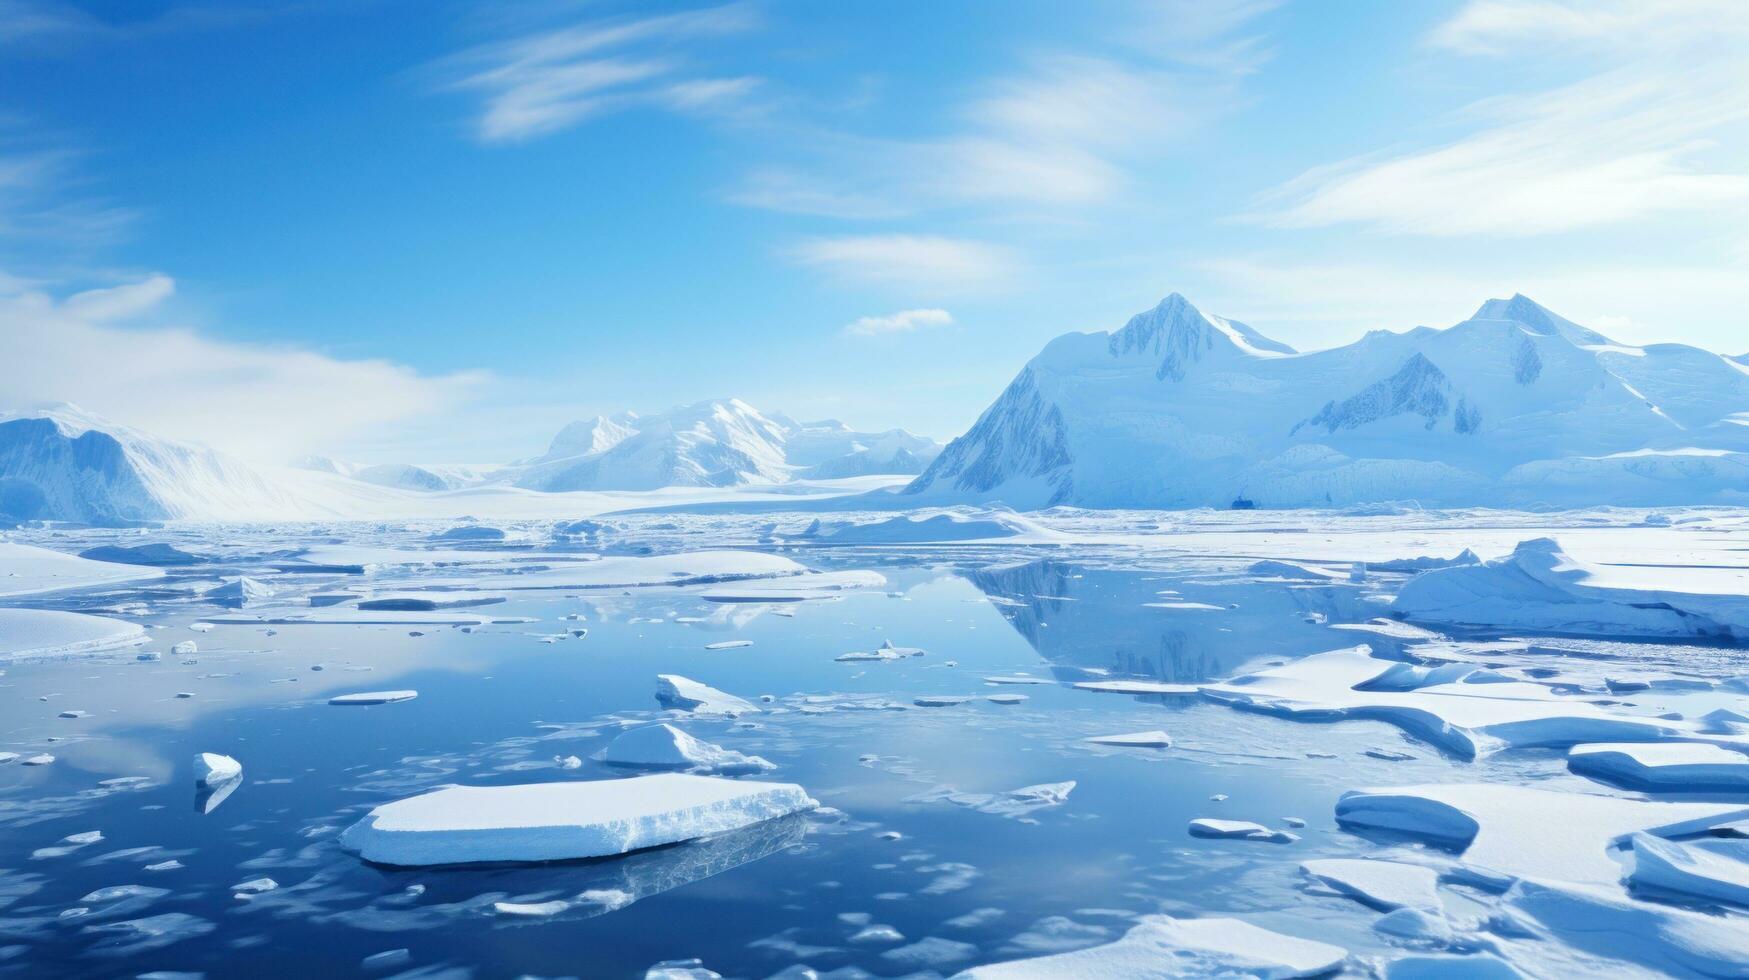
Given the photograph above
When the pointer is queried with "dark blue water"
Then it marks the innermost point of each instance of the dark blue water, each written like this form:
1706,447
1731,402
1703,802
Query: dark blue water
496,705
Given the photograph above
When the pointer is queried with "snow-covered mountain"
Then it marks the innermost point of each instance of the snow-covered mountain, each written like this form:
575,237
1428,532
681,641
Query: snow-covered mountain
401,476
715,444
1513,407
61,463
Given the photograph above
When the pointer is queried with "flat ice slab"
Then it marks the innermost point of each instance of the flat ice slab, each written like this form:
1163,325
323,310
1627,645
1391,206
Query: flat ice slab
1161,947
34,633
1144,740
1694,766
564,821
373,697
1136,687
25,570
1238,830
1521,832
1384,885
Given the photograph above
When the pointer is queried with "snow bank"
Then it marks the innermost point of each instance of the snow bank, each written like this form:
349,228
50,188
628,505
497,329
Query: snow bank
664,746
33,633
26,570
564,821
1162,947
1541,587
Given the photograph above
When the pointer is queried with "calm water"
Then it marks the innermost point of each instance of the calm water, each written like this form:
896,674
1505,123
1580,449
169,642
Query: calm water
497,705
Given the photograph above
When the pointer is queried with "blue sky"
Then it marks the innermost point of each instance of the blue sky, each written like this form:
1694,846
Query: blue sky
438,231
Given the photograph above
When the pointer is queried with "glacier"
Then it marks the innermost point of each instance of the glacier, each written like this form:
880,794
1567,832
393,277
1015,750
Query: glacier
1514,407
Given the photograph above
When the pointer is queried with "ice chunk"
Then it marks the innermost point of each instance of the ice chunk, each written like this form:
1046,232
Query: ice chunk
662,745
1670,766
1238,830
1603,921
1147,740
940,700
1520,831
211,769
728,644
373,697
27,634
1160,947
1711,869
686,694
886,652
564,821
1384,885
1541,587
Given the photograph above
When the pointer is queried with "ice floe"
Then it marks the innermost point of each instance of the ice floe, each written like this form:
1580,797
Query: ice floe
1539,586
1466,710
1384,885
1161,947
564,821
28,570
1504,832
686,694
1667,766
373,697
1148,740
1239,830
664,746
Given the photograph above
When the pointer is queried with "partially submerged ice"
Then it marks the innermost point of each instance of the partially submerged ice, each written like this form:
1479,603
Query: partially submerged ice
662,746
564,821
213,769
1161,947
1541,587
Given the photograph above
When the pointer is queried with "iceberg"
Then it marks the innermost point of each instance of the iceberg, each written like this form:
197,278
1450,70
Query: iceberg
564,821
239,593
1161,947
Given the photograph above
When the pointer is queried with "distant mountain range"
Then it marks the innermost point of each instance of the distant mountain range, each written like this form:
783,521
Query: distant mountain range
61,463
1513,407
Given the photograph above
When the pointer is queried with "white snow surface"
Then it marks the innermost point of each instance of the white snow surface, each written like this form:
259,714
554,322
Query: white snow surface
1161,947
29,570
564,821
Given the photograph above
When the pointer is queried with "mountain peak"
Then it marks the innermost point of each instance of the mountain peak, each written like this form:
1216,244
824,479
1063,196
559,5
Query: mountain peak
1538,319
1179,333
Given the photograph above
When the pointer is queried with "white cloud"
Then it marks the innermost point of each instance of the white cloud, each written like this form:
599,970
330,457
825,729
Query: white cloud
903,321
547,81
1630,139
261,402
915,261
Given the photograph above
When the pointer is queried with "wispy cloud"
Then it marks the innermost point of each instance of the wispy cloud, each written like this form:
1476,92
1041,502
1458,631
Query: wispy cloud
1667,90
542,82
913,261
904,321
1066,127
109,350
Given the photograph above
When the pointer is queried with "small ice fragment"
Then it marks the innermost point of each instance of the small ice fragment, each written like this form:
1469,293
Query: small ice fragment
187,648
387,959
878,934
255,886
75,713
211,768
939,700
1005,698
1136,687
374,697
531,910
663,745
1146,740
567,762
728,644
1238,830
170,865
